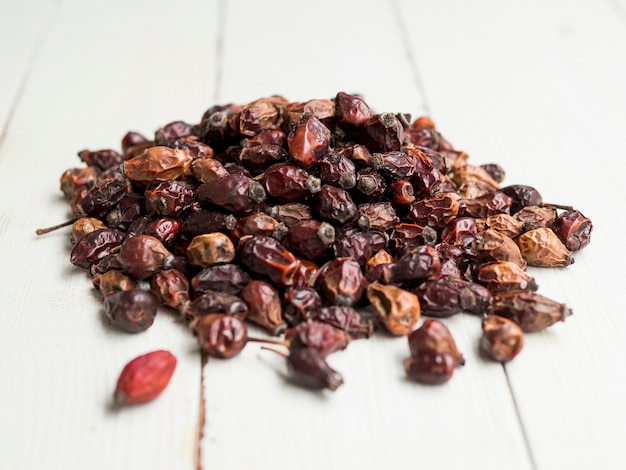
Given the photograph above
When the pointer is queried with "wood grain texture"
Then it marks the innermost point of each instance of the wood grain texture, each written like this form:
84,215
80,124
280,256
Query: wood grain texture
23,28
97,76
539,89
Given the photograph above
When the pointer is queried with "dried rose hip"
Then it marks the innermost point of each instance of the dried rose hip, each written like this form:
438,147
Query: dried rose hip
144,378
131,310
502,339
573,229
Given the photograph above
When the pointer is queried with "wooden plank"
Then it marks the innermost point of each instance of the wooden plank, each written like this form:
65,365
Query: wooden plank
23,26
378,419
538,88
104,68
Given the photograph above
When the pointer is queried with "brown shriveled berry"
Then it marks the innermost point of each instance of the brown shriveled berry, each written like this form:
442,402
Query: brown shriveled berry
573,229
219,335
210,249
502,339
308,141
541,247
260,115
94,246
531,311
259,223
321,336
207,221
397,309
473,181
171,131
503,223
346,319
169,198
310,238
74,179
258,158
334,204
102,159
208,169
229,278
359,245
351,111
165,229
495,171
379,216
532,217
430,367
299,304
131,310
488,204
143,256
235,193
439,297
287,182
383,133
324,110
380,257
504,276
157,164
401,193
215,302
461,231
308,368
522,196
337,169
434,336
144,378
264,306
101,198
266,256
341,281
436,211
418,264
83,226
292,213
494,246
113,281
370,184
171,287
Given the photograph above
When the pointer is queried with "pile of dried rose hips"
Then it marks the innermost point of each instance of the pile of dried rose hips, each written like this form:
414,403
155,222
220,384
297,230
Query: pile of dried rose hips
298,216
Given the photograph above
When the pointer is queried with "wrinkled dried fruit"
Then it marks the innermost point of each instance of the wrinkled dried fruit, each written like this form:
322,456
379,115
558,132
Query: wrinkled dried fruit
531,311
397,309
502,339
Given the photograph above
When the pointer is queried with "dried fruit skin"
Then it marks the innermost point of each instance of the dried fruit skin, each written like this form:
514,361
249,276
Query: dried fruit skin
131,310
321,336
266,256
157,164
210,249
221,336
341,281
171,288
215,302
144,378
502,339
143,256
95,246
308,141
430,367
309,368
397,309
439,298
531,311
264,307
346,319
434,336
504,276
541,247
574,229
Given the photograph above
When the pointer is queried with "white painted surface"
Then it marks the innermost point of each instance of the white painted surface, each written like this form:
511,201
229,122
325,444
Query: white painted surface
537,87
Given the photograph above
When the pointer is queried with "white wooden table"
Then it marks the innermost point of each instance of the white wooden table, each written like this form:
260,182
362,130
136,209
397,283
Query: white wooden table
537,86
